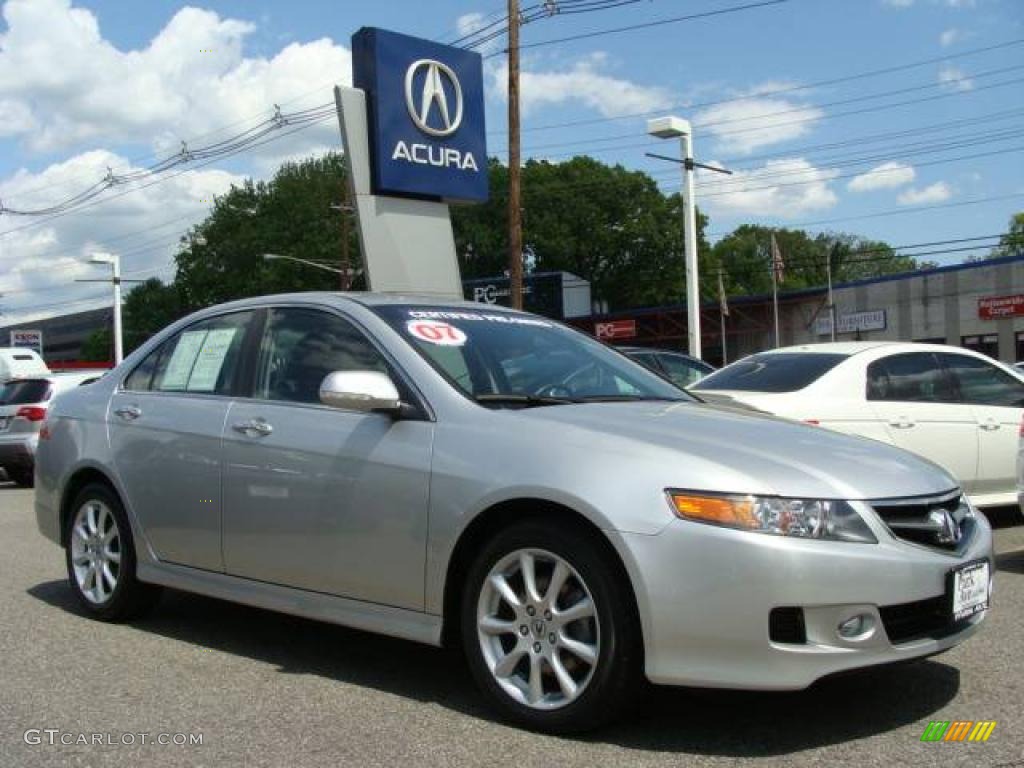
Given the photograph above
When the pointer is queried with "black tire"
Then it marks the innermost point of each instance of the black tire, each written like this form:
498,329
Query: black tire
130,597
23,477
616,679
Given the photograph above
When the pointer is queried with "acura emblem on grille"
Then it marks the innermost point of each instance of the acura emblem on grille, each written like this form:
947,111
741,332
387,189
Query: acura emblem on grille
949,530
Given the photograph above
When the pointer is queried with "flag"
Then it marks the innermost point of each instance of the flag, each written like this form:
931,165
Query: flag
778,265
723,305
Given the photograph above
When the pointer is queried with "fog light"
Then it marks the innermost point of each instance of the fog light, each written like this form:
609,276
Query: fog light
856,627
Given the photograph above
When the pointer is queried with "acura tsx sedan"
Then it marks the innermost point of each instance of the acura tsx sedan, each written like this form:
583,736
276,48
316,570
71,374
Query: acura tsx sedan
495,481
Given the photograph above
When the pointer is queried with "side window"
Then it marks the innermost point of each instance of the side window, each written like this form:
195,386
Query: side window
680,373
301,346
916,377
201,358
982,383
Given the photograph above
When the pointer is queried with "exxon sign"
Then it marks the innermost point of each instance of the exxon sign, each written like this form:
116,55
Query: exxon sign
425,112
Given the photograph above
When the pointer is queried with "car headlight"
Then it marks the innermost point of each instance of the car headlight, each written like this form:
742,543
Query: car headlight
825,519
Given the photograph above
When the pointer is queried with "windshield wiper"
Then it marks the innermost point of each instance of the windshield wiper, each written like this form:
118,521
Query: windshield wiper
629,399
528,401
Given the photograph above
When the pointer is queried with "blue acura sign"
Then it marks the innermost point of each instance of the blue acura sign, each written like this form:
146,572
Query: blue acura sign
425,112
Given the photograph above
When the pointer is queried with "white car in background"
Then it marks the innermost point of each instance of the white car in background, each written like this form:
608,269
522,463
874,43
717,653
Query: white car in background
958,408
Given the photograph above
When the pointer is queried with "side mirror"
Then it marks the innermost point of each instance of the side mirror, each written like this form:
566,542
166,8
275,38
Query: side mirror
360,391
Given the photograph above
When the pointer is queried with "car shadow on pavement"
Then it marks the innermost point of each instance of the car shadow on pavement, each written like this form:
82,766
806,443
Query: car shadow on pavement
727,723
1012,562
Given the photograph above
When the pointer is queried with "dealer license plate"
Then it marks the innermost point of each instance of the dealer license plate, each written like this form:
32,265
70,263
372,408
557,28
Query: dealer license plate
970,590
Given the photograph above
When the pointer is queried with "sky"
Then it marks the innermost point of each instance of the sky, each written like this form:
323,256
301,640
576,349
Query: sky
899,120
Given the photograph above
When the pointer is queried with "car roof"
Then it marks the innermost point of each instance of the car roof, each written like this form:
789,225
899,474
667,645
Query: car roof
340,298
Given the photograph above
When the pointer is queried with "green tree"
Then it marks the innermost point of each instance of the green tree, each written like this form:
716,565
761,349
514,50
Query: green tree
609,225
290,215
1012,242
98,347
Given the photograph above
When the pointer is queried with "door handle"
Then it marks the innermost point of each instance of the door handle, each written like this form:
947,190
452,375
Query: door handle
989,426
901,423
253,428
128,412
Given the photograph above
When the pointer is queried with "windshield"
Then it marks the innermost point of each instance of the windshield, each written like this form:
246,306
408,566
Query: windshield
21,391
518,358
772,372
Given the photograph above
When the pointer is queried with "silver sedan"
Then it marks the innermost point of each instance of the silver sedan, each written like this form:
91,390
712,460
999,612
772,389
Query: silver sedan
494,480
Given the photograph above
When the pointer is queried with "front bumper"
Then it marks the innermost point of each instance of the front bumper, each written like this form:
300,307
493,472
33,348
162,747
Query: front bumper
705,595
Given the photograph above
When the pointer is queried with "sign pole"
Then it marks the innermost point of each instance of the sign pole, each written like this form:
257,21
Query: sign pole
515,223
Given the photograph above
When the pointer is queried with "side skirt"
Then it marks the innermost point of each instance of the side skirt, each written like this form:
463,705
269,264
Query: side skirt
372,617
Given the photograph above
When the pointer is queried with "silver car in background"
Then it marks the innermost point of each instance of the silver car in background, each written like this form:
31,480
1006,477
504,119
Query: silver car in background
491,479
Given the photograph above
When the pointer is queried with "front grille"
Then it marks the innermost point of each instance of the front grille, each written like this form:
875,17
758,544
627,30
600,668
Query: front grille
930,618
942,522
786,625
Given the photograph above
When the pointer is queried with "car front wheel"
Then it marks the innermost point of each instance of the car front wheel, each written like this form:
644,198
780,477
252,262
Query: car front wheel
101,557
549,628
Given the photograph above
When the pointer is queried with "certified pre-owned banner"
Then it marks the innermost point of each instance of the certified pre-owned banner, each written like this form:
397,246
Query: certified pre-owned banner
425,112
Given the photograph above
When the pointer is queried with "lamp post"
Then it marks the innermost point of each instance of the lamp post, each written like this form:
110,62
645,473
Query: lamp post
115,278
671,128
277,256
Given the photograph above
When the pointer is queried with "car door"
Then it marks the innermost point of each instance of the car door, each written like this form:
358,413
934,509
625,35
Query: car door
321,498
997,400
915,398
165,424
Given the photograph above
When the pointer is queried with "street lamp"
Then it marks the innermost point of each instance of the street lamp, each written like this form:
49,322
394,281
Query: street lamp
115,265
307,262
672,128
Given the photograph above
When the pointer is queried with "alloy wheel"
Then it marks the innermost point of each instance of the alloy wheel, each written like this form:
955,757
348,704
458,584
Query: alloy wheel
95,551
538,629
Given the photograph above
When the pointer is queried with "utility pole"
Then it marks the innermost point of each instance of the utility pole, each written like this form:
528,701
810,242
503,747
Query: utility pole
831,299
515,222
344,208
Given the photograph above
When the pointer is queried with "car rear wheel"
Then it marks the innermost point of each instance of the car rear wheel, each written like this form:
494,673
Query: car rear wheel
101,558
549,629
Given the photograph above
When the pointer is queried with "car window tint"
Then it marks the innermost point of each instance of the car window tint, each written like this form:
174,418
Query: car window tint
773,372
681,371
301,346
916,377
23,391
981,383
202,358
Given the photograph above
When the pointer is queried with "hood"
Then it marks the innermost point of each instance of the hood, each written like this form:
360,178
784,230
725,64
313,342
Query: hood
716,448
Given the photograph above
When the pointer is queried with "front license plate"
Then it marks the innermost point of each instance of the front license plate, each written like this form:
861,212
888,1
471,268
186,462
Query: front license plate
970,590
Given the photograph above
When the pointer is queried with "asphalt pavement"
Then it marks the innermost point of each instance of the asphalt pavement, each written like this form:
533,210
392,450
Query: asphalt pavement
263,689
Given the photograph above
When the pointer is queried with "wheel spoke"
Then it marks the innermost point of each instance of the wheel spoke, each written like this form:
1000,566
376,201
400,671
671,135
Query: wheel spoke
500,583
90,519
81,531
581,609
528,566
111,555
80,559
509,662
108,574
536,682
492,625
558,577
565,681
583,651
101,520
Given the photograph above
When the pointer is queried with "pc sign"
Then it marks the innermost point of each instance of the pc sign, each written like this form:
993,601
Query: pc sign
26,339
425,114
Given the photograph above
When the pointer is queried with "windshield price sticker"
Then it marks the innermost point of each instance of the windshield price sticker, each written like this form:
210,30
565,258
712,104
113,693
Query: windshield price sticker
436,332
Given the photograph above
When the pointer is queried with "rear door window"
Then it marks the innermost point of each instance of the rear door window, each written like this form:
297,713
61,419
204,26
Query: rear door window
915,377
773,372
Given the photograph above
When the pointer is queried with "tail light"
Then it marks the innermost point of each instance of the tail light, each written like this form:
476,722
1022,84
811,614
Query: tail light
31,413
817,422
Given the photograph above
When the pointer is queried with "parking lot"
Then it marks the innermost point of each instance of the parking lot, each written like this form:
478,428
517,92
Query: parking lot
268,689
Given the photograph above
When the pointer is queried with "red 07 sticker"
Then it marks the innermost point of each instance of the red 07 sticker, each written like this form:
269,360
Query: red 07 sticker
436,332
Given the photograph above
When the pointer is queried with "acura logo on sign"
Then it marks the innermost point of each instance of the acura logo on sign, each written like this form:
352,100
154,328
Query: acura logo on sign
433,101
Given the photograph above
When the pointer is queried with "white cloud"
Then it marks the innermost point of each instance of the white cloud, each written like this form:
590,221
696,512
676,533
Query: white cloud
801,187
746,124
38,265
954,79
950,36
885,176
583,83
898,3
68,85
933,193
